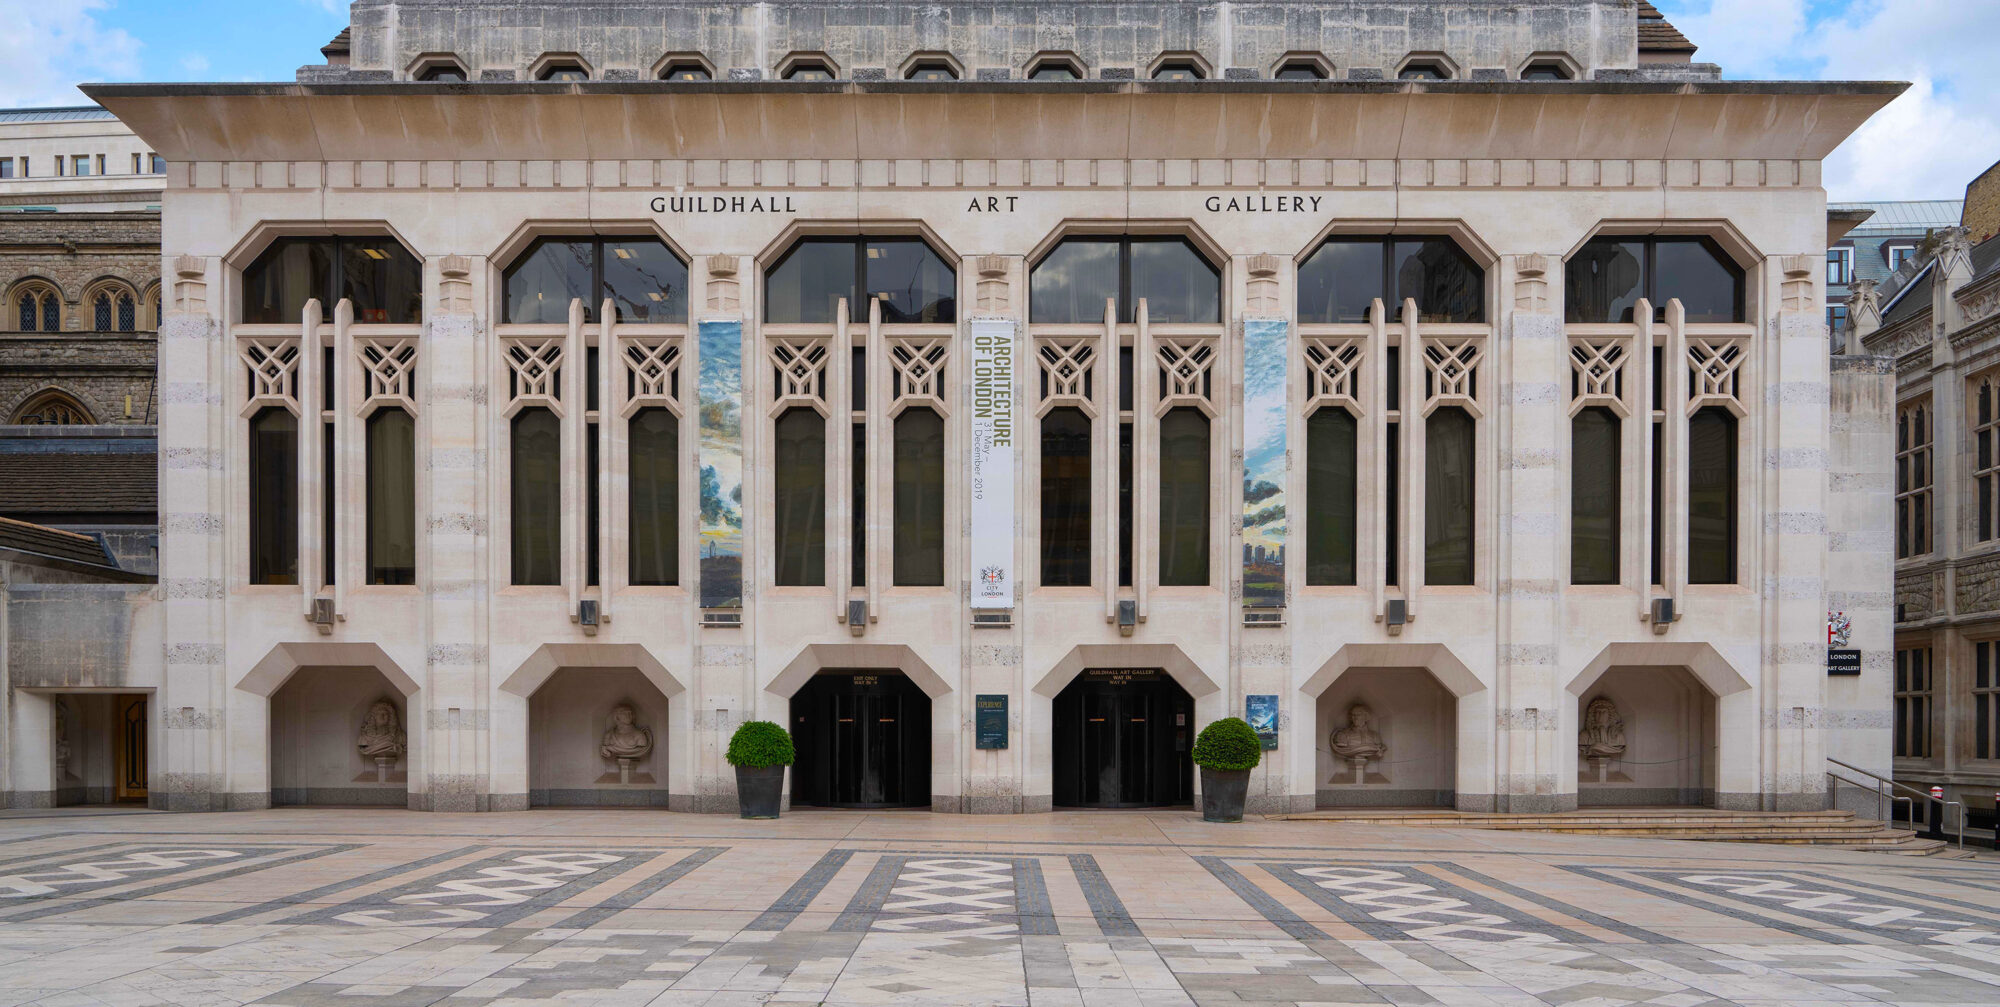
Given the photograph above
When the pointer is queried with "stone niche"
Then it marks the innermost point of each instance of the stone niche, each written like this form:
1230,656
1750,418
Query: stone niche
316,717
1418,721
1670,739
567,719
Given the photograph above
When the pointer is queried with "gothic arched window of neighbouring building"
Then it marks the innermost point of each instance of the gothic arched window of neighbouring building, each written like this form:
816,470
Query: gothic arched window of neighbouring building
114,307
643,278
37,307
52,407
382,279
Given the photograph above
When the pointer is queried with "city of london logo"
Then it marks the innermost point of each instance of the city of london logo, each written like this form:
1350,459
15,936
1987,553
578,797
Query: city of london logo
1838,626
989,581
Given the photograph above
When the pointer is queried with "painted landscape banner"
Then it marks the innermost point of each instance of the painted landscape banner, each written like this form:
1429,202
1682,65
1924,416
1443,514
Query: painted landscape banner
992,468
719,396
1265,356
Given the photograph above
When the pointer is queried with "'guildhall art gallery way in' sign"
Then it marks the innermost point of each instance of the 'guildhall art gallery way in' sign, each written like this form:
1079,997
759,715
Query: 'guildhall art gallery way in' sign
995,394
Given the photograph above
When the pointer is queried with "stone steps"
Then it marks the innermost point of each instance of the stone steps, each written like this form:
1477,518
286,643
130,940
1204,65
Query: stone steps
1798,828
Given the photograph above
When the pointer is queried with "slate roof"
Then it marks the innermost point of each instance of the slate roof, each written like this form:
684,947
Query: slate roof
73,547
1905,216
79,482
1657,34
1915,297
66,113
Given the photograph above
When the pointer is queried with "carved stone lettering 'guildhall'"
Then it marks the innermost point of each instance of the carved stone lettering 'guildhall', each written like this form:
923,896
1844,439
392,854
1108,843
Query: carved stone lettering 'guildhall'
994,393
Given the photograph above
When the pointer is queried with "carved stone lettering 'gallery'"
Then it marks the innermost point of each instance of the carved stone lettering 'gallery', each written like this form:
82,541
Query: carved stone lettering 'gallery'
1262,204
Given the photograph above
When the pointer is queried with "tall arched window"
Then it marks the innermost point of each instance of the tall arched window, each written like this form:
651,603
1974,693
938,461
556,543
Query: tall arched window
644,279
653,467
392,497
536,497
1605,279
274,496
1066,498
52,408
1071,283
100,312
918,546
1711,499
799,494
37,308
1593,496
381,277
1448,496
1330,496
1184,434
914,283
1343,276
1913,481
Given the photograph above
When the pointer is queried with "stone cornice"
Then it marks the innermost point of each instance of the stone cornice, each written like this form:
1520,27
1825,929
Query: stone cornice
1119,120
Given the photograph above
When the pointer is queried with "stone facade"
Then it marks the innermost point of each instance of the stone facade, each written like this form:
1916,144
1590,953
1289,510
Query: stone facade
1000,39
77,256
1487,681
1940,320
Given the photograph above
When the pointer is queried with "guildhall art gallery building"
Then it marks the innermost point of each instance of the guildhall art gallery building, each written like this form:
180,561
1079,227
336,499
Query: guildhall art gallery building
994,393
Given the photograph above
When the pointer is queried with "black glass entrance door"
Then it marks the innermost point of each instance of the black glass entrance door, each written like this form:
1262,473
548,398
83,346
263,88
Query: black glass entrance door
863,740
1122,740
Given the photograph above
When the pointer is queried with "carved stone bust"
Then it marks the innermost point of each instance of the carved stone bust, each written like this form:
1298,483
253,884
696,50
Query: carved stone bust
626,739
1359,739
382,733
1603,734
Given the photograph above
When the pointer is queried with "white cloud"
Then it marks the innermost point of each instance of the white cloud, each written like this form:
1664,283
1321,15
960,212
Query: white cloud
50,45
1927,143
195,64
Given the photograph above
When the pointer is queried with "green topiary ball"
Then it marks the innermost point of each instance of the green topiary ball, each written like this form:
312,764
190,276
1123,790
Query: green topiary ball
760,744
1228,743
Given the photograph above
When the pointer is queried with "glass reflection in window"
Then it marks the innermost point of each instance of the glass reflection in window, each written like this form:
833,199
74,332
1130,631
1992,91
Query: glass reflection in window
799,496
645,280
378,274
1448,496
918,543
653,464
913,282
1054,71
1066,498
274,497
1711,486
1605,279
1184,436
1072,282
1593,497
392,497
535,476
1330,496
1342,277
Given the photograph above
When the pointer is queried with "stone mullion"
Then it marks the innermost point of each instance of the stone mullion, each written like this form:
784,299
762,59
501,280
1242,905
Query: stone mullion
1792,519
1528,420
196,574
456,574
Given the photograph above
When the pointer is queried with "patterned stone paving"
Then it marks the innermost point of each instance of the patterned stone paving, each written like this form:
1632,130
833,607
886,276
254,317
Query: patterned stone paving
381,908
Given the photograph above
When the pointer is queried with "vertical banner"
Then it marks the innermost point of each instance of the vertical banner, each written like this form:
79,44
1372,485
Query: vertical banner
719,397
1266,356
1262,713
992,468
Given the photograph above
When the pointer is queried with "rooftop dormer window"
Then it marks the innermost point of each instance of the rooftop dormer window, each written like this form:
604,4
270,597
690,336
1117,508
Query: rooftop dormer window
931,70
1177,70
1545,70
1300,70
1423,70
686,72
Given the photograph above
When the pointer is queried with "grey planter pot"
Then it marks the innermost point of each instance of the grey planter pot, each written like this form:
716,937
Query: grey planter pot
759,790
1222,793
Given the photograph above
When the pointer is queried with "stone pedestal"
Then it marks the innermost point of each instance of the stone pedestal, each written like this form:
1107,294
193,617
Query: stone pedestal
1358,770
625,770
383,764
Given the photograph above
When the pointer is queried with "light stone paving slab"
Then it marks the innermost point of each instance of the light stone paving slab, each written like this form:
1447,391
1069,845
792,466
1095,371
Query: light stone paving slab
388,908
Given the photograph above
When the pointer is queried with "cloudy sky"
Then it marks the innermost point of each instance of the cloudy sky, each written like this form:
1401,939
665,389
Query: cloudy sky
1925,145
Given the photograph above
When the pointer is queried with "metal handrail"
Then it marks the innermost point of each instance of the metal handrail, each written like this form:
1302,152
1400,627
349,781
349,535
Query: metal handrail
1880,779
1888,800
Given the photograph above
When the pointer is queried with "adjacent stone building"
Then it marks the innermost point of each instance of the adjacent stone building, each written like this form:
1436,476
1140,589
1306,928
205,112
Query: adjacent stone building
994,394
1939,319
